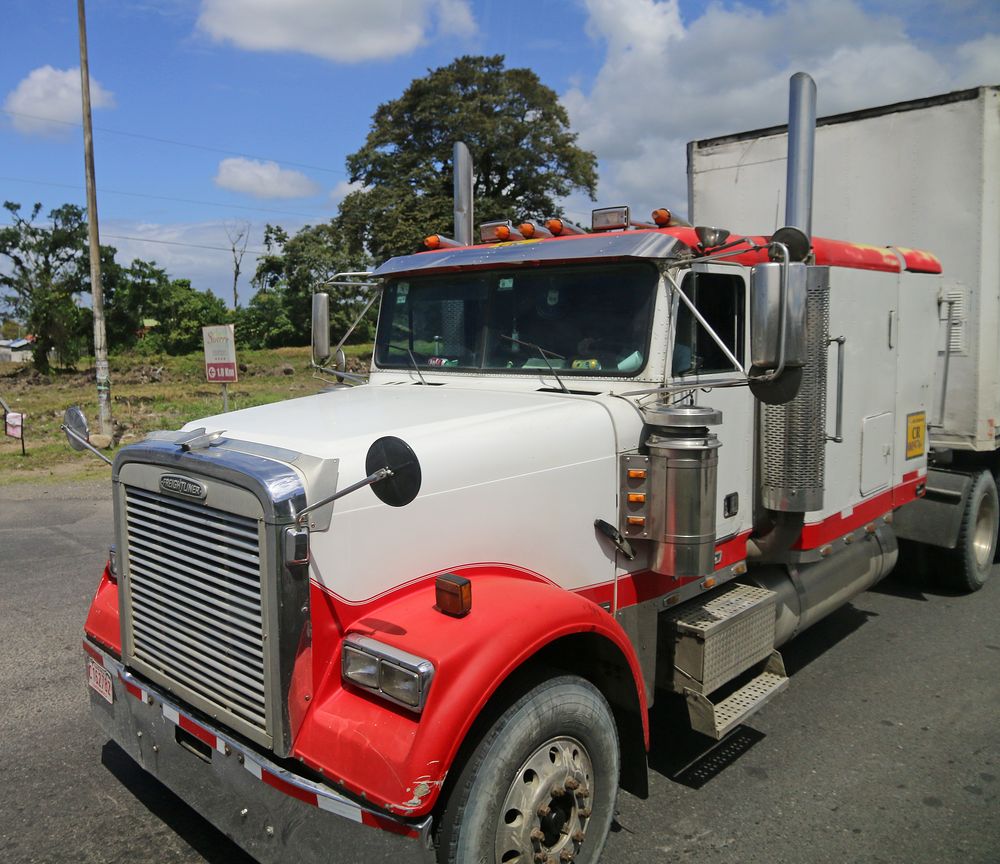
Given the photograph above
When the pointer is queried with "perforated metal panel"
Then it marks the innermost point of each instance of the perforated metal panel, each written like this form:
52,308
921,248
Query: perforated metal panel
793,435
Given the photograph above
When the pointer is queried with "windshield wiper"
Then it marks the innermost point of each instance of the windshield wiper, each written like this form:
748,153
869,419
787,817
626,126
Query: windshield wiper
542,352
413,360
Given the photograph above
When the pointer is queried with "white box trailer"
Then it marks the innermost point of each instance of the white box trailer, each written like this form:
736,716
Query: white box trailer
923,173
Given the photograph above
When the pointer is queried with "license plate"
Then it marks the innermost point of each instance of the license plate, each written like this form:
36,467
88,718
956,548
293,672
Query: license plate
100,679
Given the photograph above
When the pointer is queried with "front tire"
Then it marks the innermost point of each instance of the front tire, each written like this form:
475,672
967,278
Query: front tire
542,783
972,559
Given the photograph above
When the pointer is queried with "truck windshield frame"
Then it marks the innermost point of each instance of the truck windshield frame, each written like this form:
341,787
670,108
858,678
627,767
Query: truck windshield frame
591,320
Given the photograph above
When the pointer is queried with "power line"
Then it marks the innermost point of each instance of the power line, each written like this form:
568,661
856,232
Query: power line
106,191
257,253
188,144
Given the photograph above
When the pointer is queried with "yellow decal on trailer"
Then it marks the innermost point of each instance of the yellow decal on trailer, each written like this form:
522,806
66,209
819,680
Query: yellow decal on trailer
916,434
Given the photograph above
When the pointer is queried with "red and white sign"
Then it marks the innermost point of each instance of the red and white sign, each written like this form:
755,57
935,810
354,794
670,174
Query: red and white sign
220,353
14,426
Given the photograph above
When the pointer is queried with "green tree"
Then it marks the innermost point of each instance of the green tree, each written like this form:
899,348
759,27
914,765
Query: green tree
45,274
297,266
524,154
264,322
181,311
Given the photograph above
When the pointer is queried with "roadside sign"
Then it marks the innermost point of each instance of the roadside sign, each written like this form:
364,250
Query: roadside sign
220,354
14,424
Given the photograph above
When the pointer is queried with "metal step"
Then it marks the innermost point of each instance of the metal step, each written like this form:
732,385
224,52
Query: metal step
717,638
719,720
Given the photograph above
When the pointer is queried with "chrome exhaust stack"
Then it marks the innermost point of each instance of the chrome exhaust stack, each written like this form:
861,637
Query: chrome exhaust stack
462,166
801,149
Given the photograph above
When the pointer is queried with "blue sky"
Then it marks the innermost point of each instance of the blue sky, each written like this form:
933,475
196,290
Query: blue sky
246,109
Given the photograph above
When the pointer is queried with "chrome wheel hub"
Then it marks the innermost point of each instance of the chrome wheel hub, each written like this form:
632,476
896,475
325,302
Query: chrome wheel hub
546,812
982,538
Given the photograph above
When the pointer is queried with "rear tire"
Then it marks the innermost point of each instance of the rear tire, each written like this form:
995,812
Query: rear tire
968,566
543,780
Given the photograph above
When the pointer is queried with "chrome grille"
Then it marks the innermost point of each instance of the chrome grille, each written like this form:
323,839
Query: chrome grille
194,580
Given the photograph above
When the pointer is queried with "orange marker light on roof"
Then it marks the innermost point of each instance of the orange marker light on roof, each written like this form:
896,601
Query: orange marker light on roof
532,230
498,232
439,241
556,227
661,216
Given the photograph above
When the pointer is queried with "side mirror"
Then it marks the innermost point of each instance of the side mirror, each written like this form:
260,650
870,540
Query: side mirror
78,432
320,329
777,352
76,427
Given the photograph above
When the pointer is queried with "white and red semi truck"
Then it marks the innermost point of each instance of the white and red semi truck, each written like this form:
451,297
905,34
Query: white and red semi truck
427,615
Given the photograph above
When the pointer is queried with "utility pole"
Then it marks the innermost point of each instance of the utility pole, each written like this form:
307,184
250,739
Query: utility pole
96,289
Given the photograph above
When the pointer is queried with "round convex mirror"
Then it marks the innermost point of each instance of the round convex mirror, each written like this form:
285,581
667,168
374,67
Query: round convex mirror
404,484
75,421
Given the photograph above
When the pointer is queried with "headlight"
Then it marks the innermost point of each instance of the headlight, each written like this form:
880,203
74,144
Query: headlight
391,673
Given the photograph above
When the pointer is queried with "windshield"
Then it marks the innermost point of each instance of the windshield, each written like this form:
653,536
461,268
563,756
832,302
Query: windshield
587,320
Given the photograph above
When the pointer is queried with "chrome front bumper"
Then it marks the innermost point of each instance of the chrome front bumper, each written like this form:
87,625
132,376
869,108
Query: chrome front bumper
275,815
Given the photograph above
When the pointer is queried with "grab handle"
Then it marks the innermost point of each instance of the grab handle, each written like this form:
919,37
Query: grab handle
838,435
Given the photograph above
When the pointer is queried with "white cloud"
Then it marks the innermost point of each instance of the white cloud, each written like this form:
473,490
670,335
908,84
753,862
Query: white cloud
346,31
665,81
263,179
344,188
49,94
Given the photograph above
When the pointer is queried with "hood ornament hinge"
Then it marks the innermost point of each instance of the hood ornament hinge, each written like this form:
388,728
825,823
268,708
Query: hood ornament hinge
198,439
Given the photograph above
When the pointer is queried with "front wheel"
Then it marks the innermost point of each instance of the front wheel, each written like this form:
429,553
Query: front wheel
541,785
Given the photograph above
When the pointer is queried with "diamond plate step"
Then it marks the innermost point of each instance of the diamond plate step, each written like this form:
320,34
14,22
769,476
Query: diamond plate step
719,637
718,720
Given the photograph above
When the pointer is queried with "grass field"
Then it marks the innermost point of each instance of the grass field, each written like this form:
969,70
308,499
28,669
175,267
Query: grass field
148,392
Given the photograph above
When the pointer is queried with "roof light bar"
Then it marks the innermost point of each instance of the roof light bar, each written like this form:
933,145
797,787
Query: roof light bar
609,218
439,241
498,232
560,227
533,229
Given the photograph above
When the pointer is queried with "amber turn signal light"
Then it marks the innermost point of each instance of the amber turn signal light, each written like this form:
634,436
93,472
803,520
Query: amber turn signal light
636,473
453,595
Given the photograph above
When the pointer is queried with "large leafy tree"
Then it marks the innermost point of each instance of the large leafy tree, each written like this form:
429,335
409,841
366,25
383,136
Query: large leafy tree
45,273
525,155
293,268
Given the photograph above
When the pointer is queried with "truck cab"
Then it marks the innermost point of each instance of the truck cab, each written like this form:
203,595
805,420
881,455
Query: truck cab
587,471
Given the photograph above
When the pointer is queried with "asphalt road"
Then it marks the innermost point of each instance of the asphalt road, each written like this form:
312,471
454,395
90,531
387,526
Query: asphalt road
885,747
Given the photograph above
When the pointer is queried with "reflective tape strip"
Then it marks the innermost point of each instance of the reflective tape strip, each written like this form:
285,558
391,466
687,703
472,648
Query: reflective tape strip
95,655
133,689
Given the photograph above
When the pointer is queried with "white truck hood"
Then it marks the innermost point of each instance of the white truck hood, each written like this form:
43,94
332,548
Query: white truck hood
339,422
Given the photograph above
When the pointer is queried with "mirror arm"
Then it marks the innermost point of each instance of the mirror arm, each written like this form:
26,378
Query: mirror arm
374,477
375,285
85,443
708,328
